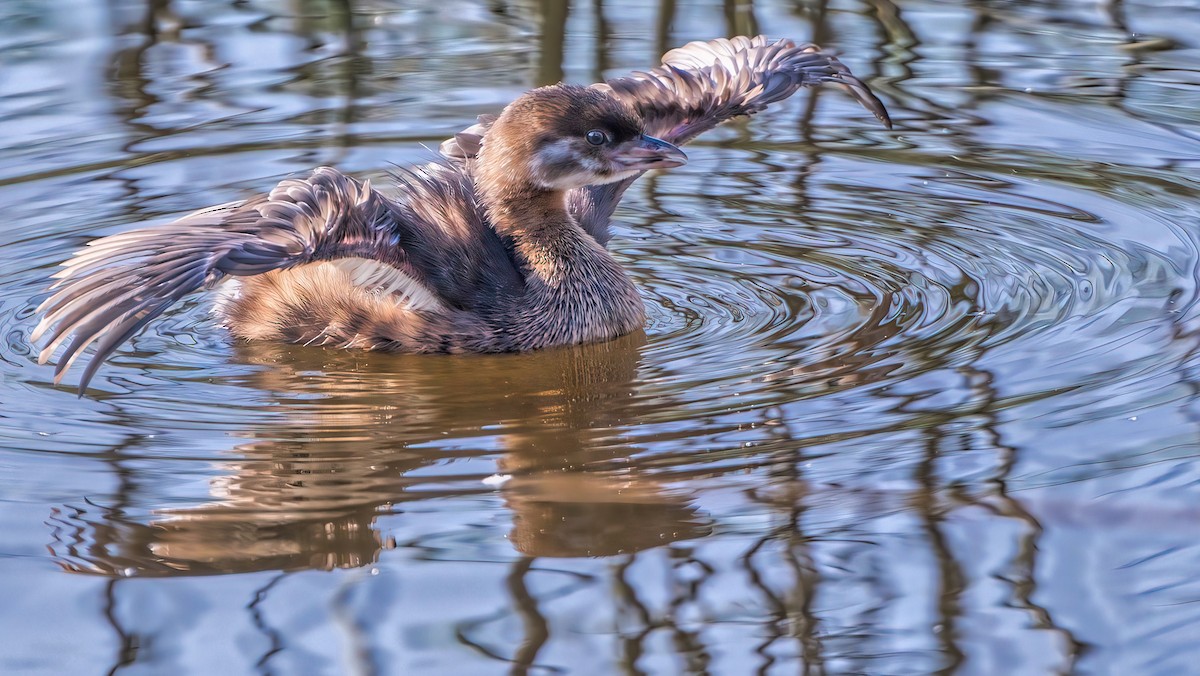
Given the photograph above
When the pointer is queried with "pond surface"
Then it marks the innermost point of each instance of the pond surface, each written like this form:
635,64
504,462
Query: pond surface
913,401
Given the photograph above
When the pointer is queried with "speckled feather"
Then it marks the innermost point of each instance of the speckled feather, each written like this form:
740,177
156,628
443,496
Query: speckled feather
442,265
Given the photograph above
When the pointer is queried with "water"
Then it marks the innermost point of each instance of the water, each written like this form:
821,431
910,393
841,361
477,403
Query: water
907,402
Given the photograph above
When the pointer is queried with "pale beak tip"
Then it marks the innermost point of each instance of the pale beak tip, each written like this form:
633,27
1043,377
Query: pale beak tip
650,153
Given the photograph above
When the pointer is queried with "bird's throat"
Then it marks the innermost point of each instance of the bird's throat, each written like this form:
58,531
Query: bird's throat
547,241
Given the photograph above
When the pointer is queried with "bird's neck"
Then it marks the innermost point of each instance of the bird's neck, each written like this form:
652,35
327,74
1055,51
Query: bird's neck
547,240
576,292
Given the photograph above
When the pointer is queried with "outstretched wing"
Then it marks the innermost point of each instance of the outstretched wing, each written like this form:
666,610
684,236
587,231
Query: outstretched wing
703,84
697,87
110,290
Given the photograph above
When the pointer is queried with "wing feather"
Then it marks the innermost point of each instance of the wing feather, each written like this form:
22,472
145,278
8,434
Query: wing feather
111,289
697,87
703,84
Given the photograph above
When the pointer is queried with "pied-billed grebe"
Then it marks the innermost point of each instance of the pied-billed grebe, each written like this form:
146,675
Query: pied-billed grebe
498,246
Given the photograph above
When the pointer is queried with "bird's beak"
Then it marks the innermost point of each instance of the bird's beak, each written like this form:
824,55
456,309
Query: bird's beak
646,152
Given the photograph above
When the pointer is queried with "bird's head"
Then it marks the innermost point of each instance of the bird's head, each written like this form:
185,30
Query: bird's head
563,136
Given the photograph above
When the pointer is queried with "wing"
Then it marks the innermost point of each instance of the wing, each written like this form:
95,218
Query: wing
703,84
698,86
110,290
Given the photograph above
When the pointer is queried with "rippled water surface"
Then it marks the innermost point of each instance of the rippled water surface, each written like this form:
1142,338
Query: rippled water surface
910,401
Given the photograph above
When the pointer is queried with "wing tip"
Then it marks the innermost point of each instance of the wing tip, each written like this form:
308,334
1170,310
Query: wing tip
822,64
871,102
865,97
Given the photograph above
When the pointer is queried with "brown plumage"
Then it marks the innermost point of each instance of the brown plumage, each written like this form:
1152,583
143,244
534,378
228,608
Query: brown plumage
499,246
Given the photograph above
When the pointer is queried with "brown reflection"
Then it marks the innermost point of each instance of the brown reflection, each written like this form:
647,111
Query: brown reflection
1023,567
535,628
127,653
662,29
740,18
791,610
565,514
930,502
143,68
343,452
788,546
132,78
601,41
554,38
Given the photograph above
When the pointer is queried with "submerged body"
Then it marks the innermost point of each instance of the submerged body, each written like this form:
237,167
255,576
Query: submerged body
499,246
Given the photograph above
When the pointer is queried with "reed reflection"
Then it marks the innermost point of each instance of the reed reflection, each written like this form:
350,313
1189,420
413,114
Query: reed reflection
360,439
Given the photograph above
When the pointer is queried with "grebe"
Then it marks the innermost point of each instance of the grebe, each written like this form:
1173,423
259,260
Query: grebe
497,246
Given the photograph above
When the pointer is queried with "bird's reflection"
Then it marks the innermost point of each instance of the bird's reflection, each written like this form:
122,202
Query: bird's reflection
350,440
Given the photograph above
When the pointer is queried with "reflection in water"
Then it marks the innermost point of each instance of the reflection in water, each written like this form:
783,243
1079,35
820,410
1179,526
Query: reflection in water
916,401
309,497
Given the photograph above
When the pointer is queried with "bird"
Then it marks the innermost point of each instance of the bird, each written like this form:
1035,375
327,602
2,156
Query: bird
499,244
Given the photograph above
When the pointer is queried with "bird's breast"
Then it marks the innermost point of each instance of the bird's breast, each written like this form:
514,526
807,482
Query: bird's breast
590,307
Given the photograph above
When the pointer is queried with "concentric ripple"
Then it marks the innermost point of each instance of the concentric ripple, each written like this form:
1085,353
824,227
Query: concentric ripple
757,303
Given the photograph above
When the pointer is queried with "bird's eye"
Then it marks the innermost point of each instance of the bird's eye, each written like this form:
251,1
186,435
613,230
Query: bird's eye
596,137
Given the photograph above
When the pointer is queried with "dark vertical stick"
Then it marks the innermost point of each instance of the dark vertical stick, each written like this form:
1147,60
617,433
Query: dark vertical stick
666,22
603,33
554,36
537,630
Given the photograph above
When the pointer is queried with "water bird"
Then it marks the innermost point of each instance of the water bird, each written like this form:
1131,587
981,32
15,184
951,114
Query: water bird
498,245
